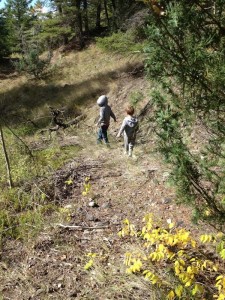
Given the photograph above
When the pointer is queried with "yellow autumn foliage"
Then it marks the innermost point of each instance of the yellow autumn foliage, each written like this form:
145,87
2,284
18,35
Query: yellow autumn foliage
170,250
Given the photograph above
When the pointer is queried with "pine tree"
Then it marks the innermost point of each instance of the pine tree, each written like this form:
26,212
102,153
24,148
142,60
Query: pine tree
18,19
4,46
186,58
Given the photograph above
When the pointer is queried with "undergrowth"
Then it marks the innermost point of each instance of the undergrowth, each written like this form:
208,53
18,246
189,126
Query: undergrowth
24,207
181,265
121,42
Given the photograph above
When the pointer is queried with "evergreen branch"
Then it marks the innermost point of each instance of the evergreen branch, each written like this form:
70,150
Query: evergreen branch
221,28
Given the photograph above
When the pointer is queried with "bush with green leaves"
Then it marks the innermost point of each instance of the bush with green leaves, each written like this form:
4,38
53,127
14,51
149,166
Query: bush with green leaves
185,58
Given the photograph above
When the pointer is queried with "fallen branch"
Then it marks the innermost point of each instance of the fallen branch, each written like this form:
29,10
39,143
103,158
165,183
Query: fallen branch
78,227
59,124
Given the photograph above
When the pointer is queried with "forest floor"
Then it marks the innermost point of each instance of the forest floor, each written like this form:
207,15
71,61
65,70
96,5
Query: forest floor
51,265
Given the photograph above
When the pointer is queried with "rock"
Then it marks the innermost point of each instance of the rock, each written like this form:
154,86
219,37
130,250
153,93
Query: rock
68,206
73,294
90,217
180,223
165,175
115,219
167,201
93,204
106,205
39,291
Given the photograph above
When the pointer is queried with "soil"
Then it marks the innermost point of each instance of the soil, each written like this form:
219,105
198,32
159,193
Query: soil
51,266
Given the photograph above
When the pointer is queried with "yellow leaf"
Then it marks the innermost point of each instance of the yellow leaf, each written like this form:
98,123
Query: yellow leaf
219,235
126,221
197,289
179,290
69,181
180,253
171,295
221,296
188,283
193,243
161,247
145,272
171,225
120,233
182,262
128,259
170,241
215,268
219,277
153,256
206,238
89,264
222,254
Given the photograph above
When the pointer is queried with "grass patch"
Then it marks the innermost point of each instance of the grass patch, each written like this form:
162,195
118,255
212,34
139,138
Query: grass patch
23,208
121,42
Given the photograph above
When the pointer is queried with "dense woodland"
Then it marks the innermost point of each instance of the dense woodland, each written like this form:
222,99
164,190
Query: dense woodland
182,48
25,25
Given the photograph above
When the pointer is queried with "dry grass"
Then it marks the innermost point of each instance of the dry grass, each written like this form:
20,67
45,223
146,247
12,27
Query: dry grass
78,79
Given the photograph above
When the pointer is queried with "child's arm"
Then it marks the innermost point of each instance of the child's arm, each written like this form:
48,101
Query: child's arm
121,128
101,116
112,115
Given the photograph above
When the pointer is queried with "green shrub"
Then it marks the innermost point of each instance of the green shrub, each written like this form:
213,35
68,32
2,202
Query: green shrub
32,64
135,97
185,59
122,42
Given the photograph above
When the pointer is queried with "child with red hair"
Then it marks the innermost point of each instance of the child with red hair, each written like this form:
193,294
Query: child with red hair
129,128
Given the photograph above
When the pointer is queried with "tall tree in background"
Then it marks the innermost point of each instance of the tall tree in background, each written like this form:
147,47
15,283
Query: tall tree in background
4,45
186,57
51,29
18,18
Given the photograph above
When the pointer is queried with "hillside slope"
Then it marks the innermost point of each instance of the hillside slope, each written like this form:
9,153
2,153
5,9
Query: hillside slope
51,265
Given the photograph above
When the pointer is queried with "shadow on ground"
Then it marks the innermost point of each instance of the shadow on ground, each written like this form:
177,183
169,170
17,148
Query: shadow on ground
27,99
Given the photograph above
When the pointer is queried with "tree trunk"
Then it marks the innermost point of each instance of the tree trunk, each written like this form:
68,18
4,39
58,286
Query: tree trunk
79,16
60,11
98,15
113,4
86,25
78,23
114,16
106,12
6,158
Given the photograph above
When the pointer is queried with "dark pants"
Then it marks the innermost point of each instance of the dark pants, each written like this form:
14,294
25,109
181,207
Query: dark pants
102,133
